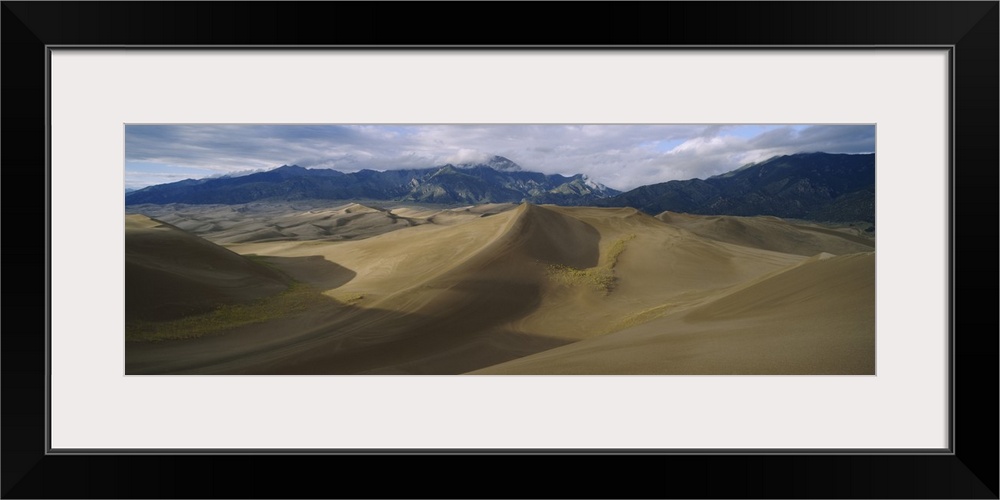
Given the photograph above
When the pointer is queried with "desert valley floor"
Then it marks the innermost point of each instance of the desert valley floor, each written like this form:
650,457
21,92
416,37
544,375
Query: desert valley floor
492,289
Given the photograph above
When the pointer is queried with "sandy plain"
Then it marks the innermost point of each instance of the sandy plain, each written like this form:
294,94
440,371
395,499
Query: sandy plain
315,288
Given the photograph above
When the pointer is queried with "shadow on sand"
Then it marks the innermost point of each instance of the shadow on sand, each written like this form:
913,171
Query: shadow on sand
336,338
464,325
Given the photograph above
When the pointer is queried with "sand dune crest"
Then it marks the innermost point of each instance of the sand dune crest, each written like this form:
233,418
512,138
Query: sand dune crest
538,289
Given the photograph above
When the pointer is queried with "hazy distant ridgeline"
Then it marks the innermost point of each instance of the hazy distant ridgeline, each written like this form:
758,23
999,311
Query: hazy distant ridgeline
525,289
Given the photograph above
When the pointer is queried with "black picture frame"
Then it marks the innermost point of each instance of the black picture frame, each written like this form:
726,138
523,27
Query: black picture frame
969,470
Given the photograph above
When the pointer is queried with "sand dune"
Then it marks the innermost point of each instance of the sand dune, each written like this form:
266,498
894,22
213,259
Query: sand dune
225,224
771,233
437,300
306,220
543,289
170,273
814,318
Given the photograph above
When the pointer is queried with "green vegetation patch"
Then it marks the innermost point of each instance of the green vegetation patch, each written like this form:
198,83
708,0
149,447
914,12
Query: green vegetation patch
601,278
615,251
297,298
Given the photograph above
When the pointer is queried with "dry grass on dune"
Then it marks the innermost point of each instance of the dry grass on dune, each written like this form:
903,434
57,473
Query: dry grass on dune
297,298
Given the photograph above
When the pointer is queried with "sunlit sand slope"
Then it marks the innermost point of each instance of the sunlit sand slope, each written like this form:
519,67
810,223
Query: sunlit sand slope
814,318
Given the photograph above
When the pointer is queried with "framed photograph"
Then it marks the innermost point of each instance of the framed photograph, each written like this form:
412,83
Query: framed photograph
414,250
617,282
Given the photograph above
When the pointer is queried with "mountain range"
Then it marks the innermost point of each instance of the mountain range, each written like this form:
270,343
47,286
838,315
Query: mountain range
812,186
498,180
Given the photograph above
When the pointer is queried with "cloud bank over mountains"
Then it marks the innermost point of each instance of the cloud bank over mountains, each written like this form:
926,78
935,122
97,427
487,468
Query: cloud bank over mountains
620,156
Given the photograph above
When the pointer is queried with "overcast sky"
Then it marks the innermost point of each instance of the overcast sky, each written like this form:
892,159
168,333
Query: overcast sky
620,156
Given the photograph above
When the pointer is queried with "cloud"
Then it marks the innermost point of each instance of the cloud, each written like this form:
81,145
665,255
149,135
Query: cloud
468,156
621,156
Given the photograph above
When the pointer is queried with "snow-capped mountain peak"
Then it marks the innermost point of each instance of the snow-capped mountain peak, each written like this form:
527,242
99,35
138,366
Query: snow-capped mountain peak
498,163
595,186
